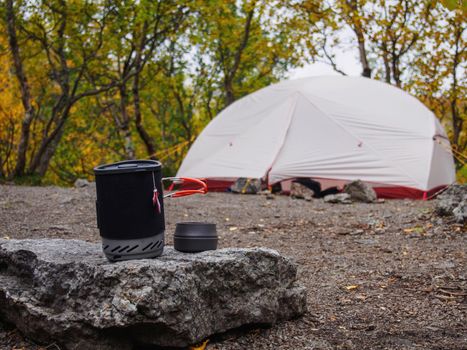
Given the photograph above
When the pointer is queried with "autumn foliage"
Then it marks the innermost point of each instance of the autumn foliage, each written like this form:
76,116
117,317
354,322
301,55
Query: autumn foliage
84,83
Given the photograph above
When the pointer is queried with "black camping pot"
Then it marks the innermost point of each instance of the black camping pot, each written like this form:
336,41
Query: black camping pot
130,208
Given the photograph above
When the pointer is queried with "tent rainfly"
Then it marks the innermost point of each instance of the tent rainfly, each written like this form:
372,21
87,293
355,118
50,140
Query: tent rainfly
331,129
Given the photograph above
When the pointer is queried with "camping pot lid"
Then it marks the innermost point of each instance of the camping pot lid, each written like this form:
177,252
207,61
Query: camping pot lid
128,166
195,229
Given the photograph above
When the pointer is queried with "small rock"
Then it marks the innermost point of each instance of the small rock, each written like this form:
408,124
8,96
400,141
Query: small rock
316,344
360,191
453,203
270,196
460,212
244,185
80,183
342,198
65,200
367,241
444,265
60,227
300,191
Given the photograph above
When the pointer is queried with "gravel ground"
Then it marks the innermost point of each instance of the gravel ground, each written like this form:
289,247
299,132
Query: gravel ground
379,276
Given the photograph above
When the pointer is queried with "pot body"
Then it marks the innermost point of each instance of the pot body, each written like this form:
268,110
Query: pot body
130,209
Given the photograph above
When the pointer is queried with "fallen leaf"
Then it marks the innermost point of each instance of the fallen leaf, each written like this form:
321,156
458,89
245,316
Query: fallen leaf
233,228
352,287
6,237
416,229
200,346
380,224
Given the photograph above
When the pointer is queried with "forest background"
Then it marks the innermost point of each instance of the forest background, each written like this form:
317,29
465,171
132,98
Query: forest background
89,82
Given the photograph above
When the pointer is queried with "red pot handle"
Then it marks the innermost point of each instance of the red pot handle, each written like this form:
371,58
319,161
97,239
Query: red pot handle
203,188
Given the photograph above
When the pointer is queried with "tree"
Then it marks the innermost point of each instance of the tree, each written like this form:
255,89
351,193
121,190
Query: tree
24,86
352,13
316,26
438,72
385,33
137,35
249,44
396,30
11,111
67,39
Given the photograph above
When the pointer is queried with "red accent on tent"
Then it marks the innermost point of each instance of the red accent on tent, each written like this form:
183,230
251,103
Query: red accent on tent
218,185
406,192
396,192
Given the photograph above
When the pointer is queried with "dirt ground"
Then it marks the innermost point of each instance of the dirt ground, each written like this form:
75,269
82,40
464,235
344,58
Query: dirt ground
379,276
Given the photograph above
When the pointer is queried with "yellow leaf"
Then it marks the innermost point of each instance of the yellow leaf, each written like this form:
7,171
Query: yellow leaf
352,287
234,228
416,229
200,346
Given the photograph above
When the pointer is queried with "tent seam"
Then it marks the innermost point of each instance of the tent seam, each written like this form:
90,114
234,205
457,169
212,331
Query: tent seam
290,117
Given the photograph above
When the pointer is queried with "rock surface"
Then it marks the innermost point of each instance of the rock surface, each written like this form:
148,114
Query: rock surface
342,198
360,192
246,186
65,291
453,203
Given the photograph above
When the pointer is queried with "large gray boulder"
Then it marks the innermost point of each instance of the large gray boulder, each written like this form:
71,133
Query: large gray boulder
65,291
453,203
360,191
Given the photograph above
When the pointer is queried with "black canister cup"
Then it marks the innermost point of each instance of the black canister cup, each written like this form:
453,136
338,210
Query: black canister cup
193,237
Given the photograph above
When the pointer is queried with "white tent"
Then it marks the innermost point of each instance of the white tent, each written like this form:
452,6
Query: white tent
333,129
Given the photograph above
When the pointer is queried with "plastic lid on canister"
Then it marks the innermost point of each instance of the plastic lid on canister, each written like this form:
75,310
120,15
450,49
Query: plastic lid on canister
127,166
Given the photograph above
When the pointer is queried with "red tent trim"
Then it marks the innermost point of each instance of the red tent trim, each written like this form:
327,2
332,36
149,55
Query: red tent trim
388,192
